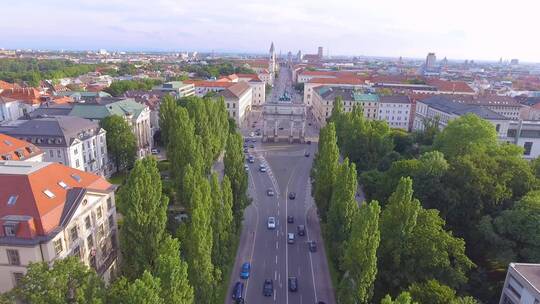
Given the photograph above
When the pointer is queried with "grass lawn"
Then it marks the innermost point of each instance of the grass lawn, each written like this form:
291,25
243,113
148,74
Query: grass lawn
118,178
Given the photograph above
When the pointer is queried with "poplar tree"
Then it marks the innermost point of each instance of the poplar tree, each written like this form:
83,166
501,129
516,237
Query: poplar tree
325,168
360,256
221,221
234,169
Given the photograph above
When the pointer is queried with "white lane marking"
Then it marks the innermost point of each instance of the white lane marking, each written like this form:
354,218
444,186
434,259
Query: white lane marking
277,246
274,296
275,275
255,232
276,261
309,252
287,231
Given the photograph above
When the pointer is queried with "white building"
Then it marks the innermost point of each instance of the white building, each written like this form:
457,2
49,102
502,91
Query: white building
76,142
238,99
49,212
258,86
395,110
522,284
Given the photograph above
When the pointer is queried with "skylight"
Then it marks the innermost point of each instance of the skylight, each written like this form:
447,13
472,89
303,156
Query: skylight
76,177
48,193
7,142
62,184
12,199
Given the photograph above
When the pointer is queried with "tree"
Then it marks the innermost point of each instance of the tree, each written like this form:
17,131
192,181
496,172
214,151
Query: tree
144,290
514,235
325,168
144,210
403,298
464,134
413,241
343,207
66,281
198,243
173,274
167,115
234,169
432,292
121,142
360,256
222,220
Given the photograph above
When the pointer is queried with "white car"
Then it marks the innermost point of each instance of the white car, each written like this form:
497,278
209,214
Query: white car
262,169
271,222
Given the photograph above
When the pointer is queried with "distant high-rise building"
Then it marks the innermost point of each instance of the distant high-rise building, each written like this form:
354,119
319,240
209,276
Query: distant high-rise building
431,60
514,62
299,56
444,62
289,56
272,59
320,52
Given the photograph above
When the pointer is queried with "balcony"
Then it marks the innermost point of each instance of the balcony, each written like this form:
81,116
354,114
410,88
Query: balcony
107,262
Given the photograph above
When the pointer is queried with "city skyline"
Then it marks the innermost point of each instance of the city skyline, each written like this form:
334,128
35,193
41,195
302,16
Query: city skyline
390,29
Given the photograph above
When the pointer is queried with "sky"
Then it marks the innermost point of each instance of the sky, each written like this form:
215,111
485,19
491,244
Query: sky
456,29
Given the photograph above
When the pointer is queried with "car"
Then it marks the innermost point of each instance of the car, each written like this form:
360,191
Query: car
245,145
271,222
268,288
292,195
312,245
263,169
258,133
270,192
309,142
290,238
246,268
246,167
251,159
290,219
252,146
293,284
237,292
154,151
245,150
301,230
281,128
254,140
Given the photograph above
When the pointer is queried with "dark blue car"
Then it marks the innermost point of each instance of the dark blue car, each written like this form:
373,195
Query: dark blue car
244,274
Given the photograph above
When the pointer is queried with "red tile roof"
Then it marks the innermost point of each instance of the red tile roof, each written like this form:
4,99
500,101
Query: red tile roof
210,84
450,86
6,85
28,182
28,95
15,149
340,80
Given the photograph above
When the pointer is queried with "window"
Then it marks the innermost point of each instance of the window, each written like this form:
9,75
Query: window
99,212
73,234
100,232
90,242
76,151
87,222
51,153
62,184
12,199
111,221
77,164
109,203
58,248
13,257
528,148
17,277
59,153
497,127
9,229
77,252
49,193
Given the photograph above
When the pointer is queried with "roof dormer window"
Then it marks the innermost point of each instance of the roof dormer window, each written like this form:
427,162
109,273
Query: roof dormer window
76,177
62,184
49,193
12,200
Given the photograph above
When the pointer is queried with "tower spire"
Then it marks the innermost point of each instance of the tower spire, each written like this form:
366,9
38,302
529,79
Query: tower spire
272,47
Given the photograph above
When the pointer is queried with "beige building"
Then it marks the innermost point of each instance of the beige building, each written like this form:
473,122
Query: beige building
51,211
522,284
349,82
238,99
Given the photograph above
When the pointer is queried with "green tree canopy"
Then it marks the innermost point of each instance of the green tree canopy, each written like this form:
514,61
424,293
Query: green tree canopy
432,292
403,298
234,169
121,142
144,290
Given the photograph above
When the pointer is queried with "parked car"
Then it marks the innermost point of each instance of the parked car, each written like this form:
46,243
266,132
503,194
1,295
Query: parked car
237,293
268,288
251,159
246,268
270,192
293,284
292,195
271,222
246,167
309,142
262,169
154,151
306,154
301,229
290,219
252,146
290,238
312,246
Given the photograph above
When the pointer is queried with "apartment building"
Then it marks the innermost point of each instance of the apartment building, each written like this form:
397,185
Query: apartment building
203,87
522,284
257,85
51,211
238,99
12,148
137,115
324,97
73,141
395,110
348,82
177,88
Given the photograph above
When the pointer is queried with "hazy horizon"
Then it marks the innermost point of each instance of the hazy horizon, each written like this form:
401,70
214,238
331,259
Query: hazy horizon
458,30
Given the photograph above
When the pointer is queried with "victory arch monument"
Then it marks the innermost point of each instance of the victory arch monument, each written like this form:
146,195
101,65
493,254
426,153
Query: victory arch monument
288,118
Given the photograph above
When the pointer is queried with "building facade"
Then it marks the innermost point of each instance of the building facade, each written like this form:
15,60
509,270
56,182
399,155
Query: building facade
395,110
50,212
522,284
177,88
73,141
238,99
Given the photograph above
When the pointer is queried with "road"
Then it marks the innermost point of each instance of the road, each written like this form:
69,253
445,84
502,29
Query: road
267,250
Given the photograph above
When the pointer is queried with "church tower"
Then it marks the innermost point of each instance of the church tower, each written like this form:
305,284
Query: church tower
272,60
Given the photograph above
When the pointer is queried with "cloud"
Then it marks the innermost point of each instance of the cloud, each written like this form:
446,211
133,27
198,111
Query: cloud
458,29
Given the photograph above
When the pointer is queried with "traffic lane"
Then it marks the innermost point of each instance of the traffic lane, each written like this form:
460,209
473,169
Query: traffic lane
267,257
